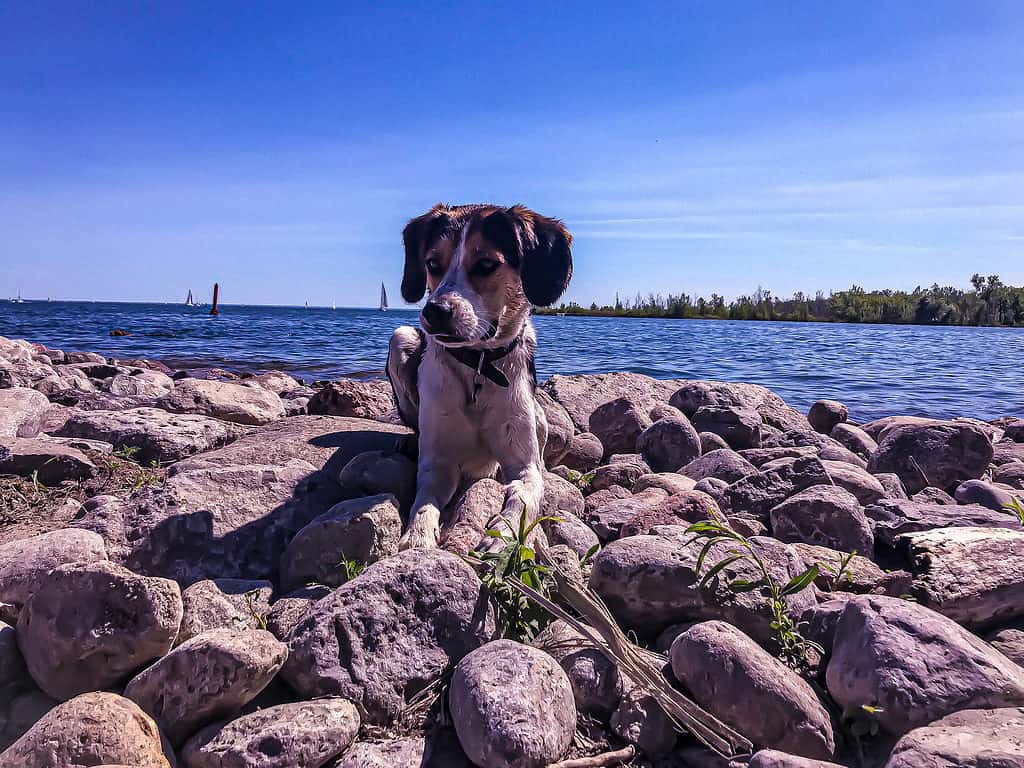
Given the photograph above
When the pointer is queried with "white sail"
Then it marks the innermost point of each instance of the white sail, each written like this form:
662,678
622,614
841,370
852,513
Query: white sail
383,298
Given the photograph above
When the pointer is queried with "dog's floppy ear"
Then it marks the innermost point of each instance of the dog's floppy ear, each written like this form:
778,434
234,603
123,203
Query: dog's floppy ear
415,236
545,254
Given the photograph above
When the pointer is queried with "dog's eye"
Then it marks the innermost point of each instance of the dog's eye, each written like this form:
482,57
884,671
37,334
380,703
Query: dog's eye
434,267
485,266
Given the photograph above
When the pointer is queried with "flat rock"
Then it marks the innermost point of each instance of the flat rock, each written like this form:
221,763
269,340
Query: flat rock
669,443
942,454
739,427
364,530
91,729
825,515
915,665
682,508
859,574
141,384
394,629
649,583
209,677
156,434
744,686
755,495
22,411
363,399
306,734
512,705
90,626
224,400
50,462
25,563
596,683
224,604
723,464
608,519
866,487
893,517
581,394
669,482
973,738
975,576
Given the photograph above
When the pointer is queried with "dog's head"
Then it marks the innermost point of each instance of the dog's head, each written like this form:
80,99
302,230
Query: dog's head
483,266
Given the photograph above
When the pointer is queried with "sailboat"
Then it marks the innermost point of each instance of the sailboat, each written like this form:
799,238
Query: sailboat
190,302
18,300
383,298
334,305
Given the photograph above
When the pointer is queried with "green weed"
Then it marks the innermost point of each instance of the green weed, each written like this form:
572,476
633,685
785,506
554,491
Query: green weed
1015,507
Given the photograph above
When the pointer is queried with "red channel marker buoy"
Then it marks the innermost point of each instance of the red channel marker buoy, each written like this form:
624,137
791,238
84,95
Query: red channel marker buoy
216,294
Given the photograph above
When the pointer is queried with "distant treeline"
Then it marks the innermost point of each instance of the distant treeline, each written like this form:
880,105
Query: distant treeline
989,302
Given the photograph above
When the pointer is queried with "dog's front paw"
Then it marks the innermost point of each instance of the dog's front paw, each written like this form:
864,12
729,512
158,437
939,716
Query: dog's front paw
420,536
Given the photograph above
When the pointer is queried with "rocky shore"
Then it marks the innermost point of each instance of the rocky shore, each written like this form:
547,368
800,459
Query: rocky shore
200,569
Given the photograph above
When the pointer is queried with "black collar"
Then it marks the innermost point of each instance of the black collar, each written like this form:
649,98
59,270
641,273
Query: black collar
482,360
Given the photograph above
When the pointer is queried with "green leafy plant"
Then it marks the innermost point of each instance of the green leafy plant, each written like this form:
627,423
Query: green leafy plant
1015,507
581,480
250,603
351,566
842,571
515,561
125,452
794,648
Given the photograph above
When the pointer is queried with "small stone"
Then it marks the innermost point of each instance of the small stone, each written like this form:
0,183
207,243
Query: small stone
669,444
596,683
584,452
639,720
224,604
826,414
350,397
826,515
739,427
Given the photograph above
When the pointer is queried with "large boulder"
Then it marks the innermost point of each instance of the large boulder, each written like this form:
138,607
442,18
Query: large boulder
22,412
364,530
25,563
678,509
893,517
305,734
723,464
224,400
942,454
689,396
826,515
596,683
866,487
580,395
649,582
93,729
141,384
394,629
825,415
92,625
739,427
584,452
744,686
619,423
987,494
854,439
975,576
669,443
362,399
209,677
973,738
377,472
224,604
755,495
47,460
512,706
155,434
914,665
212,522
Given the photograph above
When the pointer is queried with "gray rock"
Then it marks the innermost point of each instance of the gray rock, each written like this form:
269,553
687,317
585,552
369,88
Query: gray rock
560,428
639,720
975,576
25,563
607,519
466,521
305,734
649,583
892,484
209,677
712,486
584,452
709,441
377,472
746,687
985,494
761,456
277,382
1007,452
365,530
572,532
20,711
862,484
692,395
91,729
826,414
915,665
942,454
818,623
678,509
755,495
854,439
393,630
739,427
596,683
22,412
859,575
141,384
438,750
512,705
224,604
771,758
669,482
624,475
1009,641
560,497
89,626
669,443
12,665
49,461
893,517
224,400
156,434
619,423
580,395
723,464
287,611
973,738
359,398
933,495
826,515
1011,474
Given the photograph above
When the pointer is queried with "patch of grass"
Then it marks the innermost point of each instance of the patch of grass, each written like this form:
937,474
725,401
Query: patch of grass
842,571
581,480
250,605
794,648
351,566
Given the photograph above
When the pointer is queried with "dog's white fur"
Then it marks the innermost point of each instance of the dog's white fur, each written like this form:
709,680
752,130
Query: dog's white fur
501,433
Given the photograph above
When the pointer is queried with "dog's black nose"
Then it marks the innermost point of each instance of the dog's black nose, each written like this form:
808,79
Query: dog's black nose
437,317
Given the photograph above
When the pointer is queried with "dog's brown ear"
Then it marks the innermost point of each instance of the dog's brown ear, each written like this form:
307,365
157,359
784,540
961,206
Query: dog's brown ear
545,252
417,233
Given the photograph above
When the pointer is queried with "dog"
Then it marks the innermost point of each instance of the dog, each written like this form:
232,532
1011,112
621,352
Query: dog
464,381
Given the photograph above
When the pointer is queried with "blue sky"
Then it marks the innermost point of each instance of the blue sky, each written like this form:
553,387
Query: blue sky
690,146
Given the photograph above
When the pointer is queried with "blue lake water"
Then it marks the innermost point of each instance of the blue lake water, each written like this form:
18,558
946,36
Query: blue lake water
876,370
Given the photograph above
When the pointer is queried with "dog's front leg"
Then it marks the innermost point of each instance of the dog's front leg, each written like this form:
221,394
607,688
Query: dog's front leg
435,486
524,492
